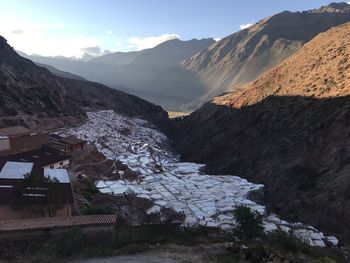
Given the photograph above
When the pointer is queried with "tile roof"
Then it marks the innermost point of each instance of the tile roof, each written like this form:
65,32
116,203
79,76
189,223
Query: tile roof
17,248
31,224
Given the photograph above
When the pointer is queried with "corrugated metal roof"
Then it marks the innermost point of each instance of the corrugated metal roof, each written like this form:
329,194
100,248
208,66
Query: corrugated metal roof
71,140
16,170
60,174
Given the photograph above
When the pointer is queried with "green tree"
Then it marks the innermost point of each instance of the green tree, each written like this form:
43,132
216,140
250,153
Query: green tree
249,223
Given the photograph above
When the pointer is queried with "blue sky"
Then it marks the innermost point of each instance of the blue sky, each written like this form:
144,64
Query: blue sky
72,27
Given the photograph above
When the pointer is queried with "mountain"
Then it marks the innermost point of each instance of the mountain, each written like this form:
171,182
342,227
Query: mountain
153,74
32,96
289,129
116,59
230,63
167,54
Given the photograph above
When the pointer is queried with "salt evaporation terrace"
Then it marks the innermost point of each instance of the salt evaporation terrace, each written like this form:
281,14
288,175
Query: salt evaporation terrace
204,199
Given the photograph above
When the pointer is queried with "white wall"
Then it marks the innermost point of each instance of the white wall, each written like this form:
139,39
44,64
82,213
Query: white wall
59,165
4,143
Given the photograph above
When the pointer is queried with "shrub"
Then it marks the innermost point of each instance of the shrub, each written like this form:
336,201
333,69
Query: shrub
68,243
96,210
286,241
249,223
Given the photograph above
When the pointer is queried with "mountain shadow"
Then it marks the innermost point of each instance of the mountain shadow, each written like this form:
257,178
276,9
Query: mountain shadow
299,147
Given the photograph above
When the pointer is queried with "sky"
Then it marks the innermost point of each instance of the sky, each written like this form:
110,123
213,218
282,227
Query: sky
73,28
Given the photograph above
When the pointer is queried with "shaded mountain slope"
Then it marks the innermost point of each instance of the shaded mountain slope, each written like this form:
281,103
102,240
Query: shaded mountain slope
241,57
33,96
289,129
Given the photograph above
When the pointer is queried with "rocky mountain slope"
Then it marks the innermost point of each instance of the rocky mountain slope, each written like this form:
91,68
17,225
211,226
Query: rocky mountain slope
152,74
289,130
241,57
33,96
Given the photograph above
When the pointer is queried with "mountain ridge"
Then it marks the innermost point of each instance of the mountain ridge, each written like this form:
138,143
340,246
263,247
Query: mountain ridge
239,58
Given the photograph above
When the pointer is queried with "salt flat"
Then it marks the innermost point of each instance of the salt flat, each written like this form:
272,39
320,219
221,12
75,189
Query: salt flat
203,199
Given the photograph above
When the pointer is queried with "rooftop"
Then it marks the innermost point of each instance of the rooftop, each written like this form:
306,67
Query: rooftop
14,131
71,140
56,222
55,137
15,170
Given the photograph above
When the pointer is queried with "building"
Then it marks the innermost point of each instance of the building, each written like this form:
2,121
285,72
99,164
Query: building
20,139
42,158
21,199
66,145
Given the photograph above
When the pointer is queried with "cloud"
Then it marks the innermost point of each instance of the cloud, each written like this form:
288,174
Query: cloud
139,43
348,3
95,51
17,31
244,26
48,39
109,32
217,39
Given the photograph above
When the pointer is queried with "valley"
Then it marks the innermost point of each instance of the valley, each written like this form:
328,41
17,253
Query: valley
195,198
236,144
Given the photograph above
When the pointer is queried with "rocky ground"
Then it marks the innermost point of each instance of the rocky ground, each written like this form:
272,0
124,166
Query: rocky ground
163,183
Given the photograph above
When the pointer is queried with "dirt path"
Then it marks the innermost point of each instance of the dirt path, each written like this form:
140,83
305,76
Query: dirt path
130,259
165,254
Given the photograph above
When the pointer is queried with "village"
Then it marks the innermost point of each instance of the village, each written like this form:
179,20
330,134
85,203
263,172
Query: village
133,174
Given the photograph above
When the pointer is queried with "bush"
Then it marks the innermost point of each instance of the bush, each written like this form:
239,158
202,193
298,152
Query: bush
68,243
96,210
286,241
249,223
127,235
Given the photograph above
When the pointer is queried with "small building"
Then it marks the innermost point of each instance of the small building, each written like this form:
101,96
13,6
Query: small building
74,143
32,200
66,145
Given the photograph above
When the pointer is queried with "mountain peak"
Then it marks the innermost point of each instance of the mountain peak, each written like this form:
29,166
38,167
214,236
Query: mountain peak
342,7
